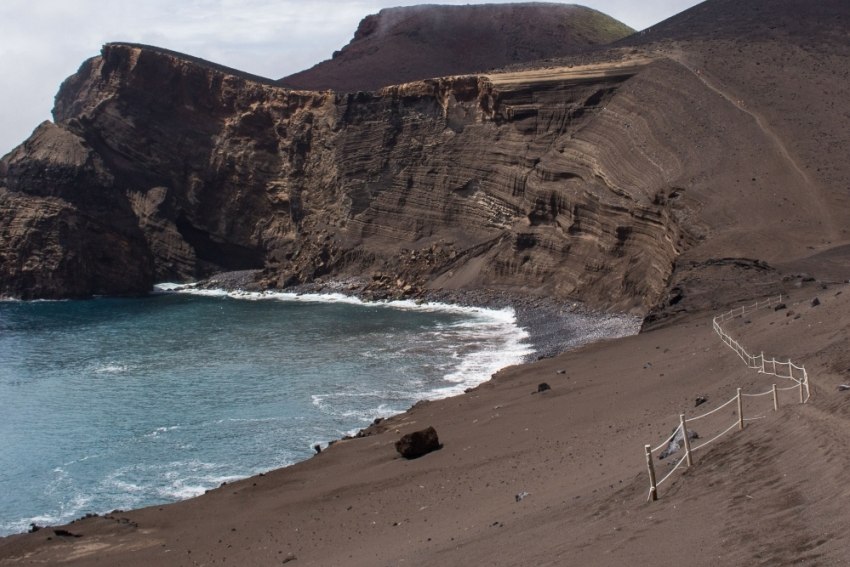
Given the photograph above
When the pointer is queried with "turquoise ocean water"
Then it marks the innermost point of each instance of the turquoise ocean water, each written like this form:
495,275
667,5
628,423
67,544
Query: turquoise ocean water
122,403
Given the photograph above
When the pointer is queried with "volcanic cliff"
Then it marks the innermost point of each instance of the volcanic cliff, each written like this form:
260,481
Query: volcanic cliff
160,167
627,178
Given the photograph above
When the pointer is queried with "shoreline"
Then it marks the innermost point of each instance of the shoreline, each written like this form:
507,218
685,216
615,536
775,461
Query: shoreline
551,328
519,469
546,320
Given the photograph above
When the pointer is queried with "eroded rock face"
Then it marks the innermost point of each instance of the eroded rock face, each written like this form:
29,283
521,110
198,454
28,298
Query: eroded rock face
64,231
163,167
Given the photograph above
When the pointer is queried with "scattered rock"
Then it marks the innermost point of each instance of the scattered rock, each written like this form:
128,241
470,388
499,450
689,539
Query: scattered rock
34,528
815,302
843,387
419,443
676,295
780,307
519,497
288,558
542,387
318,448
561,372
700,400
65,533
648,365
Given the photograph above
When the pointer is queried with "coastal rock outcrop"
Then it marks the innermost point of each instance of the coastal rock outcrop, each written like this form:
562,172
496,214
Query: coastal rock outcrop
635,178
62,236
178,168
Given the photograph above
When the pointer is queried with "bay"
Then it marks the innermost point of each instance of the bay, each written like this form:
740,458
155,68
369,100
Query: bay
120,403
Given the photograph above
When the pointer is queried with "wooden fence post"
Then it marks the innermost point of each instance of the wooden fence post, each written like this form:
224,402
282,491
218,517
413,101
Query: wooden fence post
806,378
653,488
775,399
762,362
740,411
801,392
685,441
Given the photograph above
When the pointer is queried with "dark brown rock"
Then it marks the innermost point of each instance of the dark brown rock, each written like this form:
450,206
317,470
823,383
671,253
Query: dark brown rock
419,443
174,169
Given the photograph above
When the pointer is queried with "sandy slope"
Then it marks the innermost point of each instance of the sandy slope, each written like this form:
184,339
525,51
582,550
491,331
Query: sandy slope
404,44
771,495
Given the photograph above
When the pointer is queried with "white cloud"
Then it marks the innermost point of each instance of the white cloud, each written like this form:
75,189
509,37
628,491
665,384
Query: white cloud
44,41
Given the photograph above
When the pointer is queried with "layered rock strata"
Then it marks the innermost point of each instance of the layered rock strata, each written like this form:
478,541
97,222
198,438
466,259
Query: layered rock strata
163,167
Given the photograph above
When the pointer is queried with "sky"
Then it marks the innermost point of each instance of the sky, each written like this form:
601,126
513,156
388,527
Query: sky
44,41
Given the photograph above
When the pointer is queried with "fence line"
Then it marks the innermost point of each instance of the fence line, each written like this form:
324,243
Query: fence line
716,437
772,367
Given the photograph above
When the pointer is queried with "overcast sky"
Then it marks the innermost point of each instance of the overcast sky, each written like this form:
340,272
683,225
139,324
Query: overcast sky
44,41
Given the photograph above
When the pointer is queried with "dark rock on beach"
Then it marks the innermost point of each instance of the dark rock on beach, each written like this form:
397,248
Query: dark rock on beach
419,443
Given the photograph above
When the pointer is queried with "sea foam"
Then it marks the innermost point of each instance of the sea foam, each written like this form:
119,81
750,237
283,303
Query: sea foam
211,390
502,342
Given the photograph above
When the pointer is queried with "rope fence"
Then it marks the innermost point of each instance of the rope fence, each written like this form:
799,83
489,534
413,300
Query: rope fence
680,438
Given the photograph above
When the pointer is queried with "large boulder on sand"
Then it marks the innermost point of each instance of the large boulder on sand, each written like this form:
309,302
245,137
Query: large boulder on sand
414,445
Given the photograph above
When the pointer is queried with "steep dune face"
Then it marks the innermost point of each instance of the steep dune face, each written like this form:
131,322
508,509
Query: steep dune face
779,70
404,44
